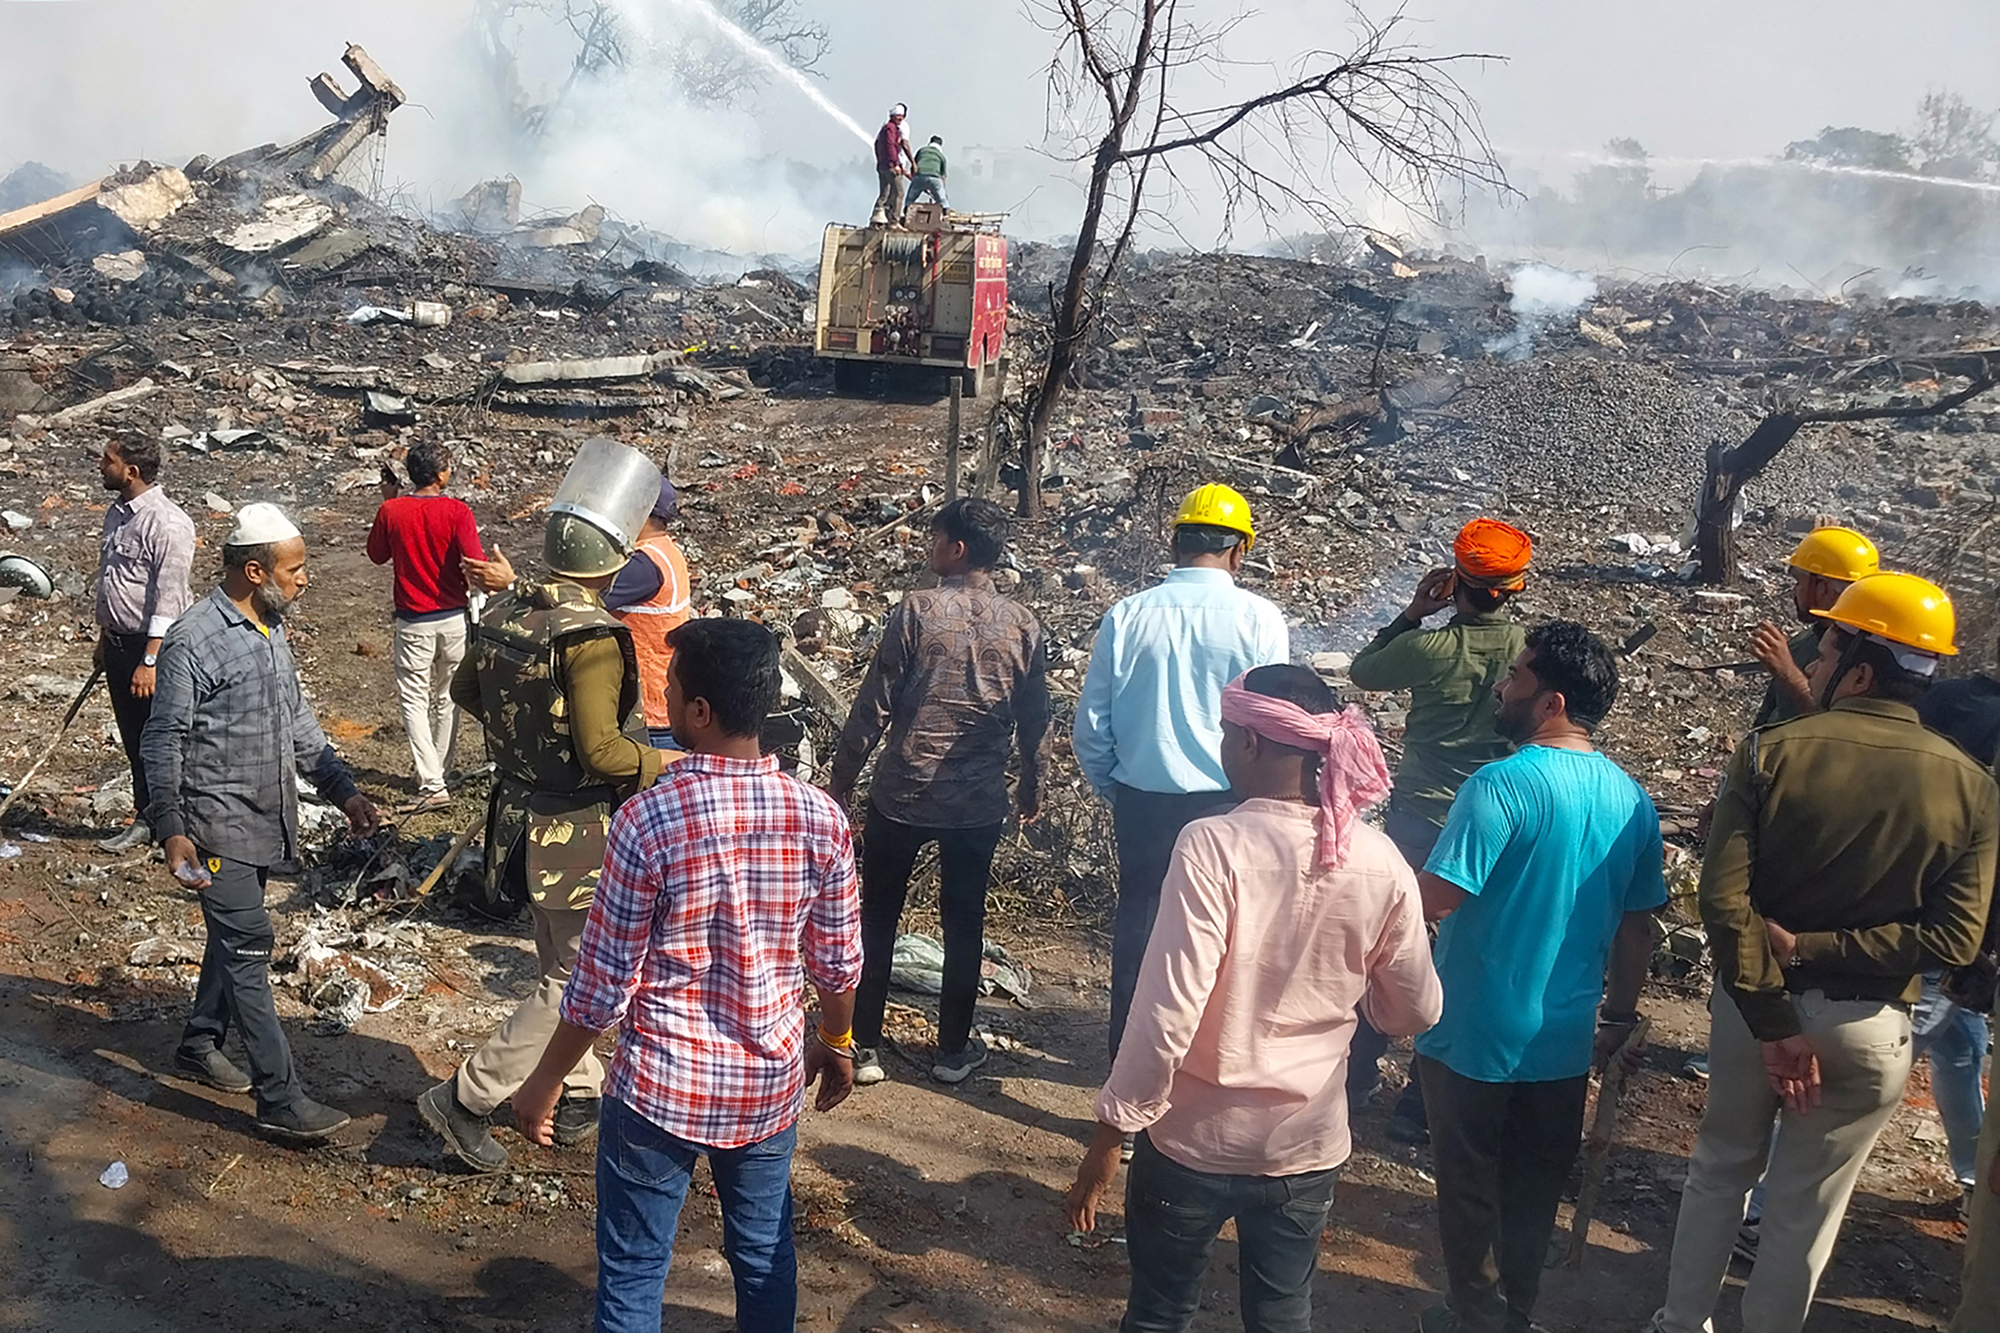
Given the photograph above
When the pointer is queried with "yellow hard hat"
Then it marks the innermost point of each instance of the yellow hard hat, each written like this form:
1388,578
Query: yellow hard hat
1218,506
1837,553
1901,608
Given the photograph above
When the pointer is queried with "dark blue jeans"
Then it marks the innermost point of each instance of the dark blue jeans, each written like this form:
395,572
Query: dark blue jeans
1172,1215
642,1181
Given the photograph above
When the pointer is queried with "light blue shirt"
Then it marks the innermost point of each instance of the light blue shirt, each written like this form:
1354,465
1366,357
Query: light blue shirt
1552,847
1151,712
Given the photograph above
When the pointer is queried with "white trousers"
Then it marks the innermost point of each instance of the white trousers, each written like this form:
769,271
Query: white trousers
427,652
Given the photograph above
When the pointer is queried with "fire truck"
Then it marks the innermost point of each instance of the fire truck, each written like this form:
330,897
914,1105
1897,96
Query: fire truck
930,293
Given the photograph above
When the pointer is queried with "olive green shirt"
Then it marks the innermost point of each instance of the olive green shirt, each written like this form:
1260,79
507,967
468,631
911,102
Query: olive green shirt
1865,834
1777,705
1450,673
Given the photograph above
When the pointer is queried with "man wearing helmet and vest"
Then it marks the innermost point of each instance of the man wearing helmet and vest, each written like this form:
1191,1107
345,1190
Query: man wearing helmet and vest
1450,673
1823,565
1852,850
1148,731
553,677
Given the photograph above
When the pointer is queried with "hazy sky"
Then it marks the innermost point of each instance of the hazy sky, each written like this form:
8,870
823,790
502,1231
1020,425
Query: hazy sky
85,84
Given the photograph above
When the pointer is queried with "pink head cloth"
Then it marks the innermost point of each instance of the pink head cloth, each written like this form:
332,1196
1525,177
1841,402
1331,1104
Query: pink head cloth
1352,773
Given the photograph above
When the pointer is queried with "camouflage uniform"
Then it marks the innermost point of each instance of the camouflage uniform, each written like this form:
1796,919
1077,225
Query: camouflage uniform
536,654
543,790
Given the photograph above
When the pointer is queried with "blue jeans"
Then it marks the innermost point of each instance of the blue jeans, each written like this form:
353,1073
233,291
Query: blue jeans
662,738
642,1181
926,185
1172,1215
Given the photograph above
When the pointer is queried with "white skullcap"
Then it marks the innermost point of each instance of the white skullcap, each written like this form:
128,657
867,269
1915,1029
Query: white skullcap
260,524
899,110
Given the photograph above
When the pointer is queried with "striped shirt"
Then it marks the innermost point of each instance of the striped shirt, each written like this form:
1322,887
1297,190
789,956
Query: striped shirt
717,884
228,729
144,561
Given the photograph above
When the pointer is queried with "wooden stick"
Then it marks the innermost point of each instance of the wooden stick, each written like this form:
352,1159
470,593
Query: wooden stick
458,845
96,674
209,1193
1596,1148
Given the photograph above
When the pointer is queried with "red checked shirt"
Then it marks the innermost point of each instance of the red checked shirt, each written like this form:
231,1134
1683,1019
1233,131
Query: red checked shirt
718,883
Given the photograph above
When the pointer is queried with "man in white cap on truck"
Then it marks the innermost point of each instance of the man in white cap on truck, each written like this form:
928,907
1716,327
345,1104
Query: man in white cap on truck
893,162
228,730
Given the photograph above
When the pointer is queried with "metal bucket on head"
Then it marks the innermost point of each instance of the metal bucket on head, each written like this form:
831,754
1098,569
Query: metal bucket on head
610,486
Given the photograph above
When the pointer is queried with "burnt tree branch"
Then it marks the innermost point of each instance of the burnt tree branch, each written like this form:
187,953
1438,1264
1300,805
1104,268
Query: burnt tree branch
1729,469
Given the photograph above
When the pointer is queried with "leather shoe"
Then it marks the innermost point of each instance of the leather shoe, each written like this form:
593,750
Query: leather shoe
467,1135
213,1068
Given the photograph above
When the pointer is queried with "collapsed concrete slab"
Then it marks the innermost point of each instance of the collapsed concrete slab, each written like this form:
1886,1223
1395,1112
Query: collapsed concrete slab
108,215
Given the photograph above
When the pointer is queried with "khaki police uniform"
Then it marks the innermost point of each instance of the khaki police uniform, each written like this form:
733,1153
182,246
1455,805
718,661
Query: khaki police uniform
552,676
1873,840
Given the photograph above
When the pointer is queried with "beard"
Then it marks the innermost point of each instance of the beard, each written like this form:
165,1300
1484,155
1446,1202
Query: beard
272,604
1513,720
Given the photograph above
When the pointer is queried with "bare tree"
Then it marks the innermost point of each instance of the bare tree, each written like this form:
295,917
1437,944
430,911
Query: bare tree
702,63
1397,115
1730,468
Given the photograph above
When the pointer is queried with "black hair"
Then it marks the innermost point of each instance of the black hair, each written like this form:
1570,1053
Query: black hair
982,525
140,454
937,138
1893,681
1570,660
427,462
1484,601
257,553
1205,539
731,663
1294,684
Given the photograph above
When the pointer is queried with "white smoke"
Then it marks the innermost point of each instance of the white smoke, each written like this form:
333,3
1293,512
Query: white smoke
1542,296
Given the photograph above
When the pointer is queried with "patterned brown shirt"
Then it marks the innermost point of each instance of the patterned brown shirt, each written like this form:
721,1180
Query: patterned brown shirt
961,675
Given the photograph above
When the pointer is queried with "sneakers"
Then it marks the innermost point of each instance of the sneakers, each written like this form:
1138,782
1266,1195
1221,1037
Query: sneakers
213,1068
1745,1247
304,1121
134,835
868,1070
576,1121
467,1135
957,1068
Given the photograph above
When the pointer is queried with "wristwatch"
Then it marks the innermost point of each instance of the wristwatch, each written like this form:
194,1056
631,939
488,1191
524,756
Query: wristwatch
151,659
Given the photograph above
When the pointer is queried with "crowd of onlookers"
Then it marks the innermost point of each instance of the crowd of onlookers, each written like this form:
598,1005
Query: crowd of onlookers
1268,940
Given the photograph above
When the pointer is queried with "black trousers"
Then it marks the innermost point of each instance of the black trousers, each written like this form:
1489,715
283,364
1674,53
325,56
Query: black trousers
1503,1153
965,863
1145,824
235,985
124,654
1172,1215
1414,837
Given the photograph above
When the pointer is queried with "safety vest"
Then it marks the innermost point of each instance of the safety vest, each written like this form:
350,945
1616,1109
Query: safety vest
652,620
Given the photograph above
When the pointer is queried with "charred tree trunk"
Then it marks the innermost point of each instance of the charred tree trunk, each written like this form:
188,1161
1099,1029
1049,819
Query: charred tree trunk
1071,323
1729,470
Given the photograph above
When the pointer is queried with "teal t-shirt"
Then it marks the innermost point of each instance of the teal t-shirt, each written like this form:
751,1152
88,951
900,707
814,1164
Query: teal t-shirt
1552,848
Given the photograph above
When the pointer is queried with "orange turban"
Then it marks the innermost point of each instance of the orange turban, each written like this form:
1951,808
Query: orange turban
1491,554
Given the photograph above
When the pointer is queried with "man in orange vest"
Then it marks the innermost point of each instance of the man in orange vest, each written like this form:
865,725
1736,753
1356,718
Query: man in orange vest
650,595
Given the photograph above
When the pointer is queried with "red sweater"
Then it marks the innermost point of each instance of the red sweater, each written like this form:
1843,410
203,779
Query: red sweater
425,536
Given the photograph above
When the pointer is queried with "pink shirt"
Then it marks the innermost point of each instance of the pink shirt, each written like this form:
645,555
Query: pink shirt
1235,1056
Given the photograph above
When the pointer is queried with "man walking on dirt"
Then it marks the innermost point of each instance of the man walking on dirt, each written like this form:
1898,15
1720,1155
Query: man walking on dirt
1545,877
725,888
1852,849
229,729
960,678
551,675
144,564
1148,731
1450,673
1279,923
